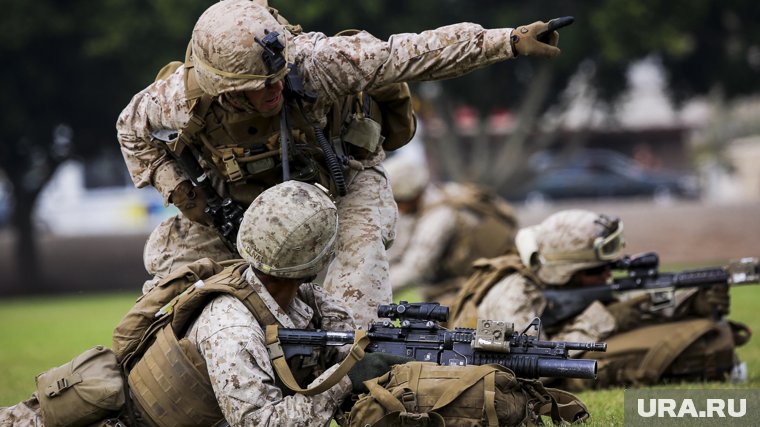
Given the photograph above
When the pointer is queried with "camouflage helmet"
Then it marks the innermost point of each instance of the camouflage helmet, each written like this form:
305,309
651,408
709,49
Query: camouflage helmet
407,175
574,240
289,230
224,52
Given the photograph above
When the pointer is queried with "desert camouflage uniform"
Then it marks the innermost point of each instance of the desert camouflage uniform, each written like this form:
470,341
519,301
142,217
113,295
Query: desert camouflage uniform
332,67
233,345
23,414
516,299
564,242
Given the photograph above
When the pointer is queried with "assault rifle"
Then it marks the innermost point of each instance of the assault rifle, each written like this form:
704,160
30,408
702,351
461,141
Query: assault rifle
642,275
224,212
418,335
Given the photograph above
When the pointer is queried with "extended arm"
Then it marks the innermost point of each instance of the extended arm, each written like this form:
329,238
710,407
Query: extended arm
347,64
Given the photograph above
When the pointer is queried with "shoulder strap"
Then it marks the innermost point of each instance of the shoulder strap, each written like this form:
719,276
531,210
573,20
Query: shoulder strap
229,281
481,201
277,356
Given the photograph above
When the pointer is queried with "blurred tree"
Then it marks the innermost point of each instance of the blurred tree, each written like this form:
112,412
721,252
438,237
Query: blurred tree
74,65
79,62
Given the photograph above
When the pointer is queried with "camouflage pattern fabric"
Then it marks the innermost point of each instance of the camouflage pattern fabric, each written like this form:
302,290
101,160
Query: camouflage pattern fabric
22,414
518,300
431,230
332,67
233,345
176,242
358,274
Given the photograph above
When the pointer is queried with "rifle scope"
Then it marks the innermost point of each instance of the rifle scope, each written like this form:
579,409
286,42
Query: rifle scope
417,311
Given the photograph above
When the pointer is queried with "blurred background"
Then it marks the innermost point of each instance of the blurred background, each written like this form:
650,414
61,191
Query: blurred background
651,113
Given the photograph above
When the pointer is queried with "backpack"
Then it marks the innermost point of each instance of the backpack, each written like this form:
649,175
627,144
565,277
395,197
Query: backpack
426,394
685,350
492,236
134,324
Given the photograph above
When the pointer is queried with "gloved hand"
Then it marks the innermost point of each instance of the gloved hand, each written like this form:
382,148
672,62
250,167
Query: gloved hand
628,313
191,201
711,300
372,366
525,40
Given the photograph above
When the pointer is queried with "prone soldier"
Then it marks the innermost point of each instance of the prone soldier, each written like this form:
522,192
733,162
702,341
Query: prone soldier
207,357
576,249
287,235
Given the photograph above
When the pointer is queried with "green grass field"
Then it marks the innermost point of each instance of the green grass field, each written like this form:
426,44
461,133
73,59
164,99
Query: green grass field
39,333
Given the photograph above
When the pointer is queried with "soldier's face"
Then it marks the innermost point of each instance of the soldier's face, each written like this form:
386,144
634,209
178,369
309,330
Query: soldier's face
594,276
268,100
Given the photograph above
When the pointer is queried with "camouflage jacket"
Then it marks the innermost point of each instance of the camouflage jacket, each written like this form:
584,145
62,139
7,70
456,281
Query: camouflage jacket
233,345
331,67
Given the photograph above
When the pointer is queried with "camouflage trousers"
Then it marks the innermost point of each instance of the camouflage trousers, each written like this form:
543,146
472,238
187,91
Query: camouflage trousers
26,413
358,275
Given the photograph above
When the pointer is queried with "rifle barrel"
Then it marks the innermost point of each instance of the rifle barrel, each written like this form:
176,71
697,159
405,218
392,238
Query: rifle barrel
571,345
531,366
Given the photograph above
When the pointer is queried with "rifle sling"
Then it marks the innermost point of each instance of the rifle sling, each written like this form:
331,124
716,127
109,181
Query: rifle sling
277,356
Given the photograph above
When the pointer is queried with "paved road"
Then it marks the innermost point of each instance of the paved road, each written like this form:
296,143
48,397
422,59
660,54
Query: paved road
680,232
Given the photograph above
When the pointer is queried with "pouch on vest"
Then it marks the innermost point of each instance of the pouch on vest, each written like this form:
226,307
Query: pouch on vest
87,389
398,122
426,394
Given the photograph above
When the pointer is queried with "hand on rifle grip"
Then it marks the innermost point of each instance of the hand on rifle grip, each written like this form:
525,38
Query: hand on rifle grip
628,313
191,201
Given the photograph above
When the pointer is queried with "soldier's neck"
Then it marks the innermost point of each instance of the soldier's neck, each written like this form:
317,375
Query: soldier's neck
283,291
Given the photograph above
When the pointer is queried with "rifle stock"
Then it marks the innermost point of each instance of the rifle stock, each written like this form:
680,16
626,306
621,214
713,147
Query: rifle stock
421,338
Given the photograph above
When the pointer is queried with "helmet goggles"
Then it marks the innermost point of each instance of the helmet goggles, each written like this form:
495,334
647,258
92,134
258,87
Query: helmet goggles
607,247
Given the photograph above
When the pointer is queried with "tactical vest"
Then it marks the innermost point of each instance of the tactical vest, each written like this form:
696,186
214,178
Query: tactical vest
488,272
167,377
492,236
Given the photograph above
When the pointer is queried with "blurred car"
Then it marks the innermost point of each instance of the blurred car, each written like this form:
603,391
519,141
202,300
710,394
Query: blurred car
597,174
75,204
6,203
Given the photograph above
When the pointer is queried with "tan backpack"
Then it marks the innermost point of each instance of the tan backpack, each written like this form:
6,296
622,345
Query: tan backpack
493,236
130,330
685,350
426,394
